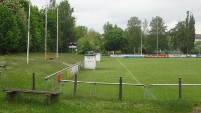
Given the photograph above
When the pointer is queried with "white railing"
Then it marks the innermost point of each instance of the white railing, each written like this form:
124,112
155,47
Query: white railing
52,79
103,83
169,85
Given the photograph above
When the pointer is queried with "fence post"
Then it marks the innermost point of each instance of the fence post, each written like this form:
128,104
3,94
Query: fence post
120,88
94,88
33,79
180,90
75,84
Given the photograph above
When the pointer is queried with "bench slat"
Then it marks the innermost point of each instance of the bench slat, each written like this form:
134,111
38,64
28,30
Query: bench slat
34,91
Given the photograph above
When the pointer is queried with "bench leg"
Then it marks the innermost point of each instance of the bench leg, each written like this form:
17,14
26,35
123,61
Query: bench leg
11,95
48,98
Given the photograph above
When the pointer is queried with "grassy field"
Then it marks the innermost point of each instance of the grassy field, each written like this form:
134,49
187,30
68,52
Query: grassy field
136,71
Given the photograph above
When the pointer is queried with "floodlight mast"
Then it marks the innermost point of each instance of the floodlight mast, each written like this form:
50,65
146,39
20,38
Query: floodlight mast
28,34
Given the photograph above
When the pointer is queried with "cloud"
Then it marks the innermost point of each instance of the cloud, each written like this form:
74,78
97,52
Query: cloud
95,13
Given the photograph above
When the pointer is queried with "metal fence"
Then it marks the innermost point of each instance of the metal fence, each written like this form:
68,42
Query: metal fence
51,81
179,85
103,83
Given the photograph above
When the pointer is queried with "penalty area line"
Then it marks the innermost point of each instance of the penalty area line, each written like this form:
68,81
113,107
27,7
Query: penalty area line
133,76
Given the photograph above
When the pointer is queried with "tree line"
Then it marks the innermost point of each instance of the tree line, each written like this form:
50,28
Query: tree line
139,36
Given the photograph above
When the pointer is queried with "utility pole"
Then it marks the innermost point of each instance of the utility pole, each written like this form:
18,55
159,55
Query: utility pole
157,35
141,37
46,30
57,34
28,32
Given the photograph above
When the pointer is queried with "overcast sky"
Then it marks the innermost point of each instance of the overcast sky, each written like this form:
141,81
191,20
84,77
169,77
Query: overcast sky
95,13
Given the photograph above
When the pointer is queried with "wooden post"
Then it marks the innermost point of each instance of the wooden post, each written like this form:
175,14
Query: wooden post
75,84
33,79
120,88
180,90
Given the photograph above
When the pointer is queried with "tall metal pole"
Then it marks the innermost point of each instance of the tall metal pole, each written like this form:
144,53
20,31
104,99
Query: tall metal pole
157,35
28,34
45,30
141,39
57,34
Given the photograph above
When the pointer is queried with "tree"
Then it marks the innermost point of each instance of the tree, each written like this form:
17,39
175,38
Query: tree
190,24
52,4
107,27
145,32
183,34
133,34
52,29
66,25
198,47
12,27
89,42
36,30
80,31
114,40
179,36
158,28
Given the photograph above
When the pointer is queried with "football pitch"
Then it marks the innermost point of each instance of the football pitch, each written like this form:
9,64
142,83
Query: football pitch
103,98
143,71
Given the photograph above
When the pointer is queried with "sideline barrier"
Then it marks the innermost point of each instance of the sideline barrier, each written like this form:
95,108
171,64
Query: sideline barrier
126,56
103,83
198,55
179,85
156,56
133,56
52,81
117,56
168,85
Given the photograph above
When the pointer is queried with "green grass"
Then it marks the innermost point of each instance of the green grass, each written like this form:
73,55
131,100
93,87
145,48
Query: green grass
146,71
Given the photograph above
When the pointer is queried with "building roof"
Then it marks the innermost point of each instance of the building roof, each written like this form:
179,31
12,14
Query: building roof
197,36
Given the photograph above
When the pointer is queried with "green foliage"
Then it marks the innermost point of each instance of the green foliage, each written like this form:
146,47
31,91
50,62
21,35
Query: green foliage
133,34
157,28
80,31
113,38
89,42
66,25
183,34
12,28
107,27
197,47
36,30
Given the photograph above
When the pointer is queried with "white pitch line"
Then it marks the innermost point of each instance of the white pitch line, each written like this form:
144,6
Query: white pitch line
133,76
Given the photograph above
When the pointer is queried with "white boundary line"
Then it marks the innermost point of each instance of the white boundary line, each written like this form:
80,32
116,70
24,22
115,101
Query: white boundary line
133,76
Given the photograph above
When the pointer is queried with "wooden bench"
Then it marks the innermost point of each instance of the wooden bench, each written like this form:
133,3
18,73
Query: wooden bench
3,66
49,96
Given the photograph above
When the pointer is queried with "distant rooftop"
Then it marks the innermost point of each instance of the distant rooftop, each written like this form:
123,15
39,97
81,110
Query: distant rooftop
197,36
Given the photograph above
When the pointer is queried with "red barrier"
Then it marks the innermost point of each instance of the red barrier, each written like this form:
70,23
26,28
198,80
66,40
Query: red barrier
59,77
156,56
47,57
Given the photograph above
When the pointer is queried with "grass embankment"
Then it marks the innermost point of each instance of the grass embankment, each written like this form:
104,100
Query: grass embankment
145,71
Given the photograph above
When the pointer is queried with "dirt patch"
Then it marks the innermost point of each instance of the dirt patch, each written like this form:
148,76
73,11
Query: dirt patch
197,109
